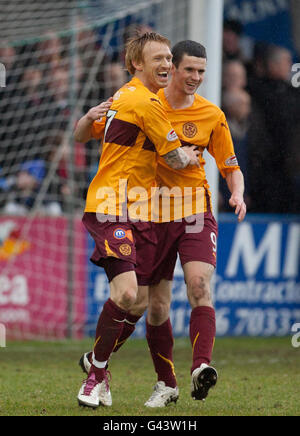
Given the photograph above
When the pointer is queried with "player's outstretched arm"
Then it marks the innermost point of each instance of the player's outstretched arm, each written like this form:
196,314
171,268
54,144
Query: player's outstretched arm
181,157
83,129
235,183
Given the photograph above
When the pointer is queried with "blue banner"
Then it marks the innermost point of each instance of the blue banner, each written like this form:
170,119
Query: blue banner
256,284
263,20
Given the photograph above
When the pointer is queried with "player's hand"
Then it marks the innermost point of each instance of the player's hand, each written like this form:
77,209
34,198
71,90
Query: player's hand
193,153
237,201
97,112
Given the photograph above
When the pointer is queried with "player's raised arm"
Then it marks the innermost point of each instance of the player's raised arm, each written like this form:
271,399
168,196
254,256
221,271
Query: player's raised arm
83,130
182,157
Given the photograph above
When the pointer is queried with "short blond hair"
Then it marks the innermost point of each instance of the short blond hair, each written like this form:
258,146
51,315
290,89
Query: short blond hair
135,47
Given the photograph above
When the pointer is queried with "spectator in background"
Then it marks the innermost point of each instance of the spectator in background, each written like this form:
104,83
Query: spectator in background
51,52
32,79
31,97
236,103
295,17
23,194
25,113
3,181
232,31
234,75
293,164
112,78
237,108
116,77
4,187
91,56
257,68
7,55
8,95
88,45
59,86
278,103
279,63
8,59
58,162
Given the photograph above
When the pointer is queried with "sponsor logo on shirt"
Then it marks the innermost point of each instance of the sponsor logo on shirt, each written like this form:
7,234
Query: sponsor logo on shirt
231,161
119,234
122,234
172,136
155,99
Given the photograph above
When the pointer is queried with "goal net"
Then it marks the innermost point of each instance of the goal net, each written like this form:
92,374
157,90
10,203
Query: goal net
58,59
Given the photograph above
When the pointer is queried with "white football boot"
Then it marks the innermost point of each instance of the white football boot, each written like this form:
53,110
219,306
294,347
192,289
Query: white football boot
162,395
93,393
203,378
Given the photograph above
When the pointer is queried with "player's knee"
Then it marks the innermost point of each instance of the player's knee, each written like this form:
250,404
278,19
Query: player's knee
139,308
127,298
158,311
199,289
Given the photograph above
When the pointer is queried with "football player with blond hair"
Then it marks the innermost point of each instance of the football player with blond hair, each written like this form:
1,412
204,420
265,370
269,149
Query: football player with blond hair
137,131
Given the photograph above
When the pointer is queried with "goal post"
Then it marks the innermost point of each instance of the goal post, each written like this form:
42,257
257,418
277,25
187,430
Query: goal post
206,26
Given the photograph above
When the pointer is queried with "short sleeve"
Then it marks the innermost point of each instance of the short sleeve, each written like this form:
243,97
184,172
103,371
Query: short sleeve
221,147
98,127
158,128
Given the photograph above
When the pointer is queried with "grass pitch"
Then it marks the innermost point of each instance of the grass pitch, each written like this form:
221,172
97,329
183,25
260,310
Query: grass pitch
257,376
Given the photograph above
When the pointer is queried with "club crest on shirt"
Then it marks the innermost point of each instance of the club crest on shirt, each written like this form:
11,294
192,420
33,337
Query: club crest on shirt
189,130
125,249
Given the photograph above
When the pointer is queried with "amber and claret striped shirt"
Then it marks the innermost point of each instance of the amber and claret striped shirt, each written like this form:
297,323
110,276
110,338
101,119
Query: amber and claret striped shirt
136,132
202,124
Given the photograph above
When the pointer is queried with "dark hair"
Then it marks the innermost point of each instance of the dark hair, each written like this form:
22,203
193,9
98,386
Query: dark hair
187,47
273,52
234,25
